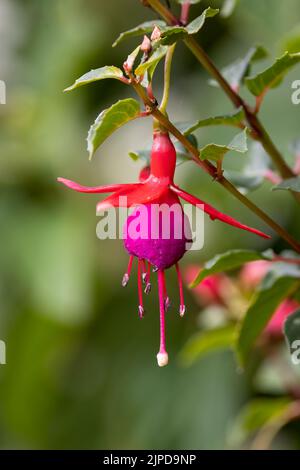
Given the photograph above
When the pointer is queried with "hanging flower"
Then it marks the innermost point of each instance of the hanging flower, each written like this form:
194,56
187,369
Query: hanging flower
156,187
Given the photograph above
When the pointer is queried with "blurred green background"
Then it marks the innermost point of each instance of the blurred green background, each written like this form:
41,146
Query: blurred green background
81,370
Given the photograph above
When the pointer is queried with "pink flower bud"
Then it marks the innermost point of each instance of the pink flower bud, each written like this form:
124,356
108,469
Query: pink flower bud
156,34
146,45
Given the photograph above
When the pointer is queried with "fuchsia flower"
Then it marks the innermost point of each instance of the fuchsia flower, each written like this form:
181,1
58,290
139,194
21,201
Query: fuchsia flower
156,186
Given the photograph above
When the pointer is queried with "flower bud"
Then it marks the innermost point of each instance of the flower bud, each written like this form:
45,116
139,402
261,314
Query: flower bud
156,34
146,45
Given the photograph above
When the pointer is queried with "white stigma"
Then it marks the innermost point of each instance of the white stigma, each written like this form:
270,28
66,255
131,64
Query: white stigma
162,359
125,280
182,310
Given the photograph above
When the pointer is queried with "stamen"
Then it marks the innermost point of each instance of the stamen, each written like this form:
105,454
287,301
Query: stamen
148,285
182,305
144,275
126,276
140,290
162,356
167,301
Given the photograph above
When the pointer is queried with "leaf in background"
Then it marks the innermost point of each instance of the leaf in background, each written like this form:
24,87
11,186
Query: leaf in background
109,71
265,302
140,30
172,34
291,42
273,75
282,269
110,120
217,152
141,155
253,173
228,7
206,342
254,415
233,119
291,331
242,181
228,261
292,184
236,72
153,61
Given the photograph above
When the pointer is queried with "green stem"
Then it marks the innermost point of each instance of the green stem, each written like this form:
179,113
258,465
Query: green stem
167,78
263,136
211,169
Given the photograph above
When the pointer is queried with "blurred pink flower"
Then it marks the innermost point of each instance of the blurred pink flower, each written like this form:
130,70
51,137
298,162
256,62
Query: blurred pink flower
275,325
208,291
252,273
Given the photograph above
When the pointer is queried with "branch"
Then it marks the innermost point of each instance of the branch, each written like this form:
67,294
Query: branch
264,138
209,167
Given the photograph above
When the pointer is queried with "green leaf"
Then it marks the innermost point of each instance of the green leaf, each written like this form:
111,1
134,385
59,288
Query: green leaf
172,34
96,75
228,261
232,119
272,76
272,292
141,155
291,184
153,60
206,342
140,30
291,42
243,181
254,415
217,152
281,269
253,173
110,120
228,7
291,330
258,161
236,72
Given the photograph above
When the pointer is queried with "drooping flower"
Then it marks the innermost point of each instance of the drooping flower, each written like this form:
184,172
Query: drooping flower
156,188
